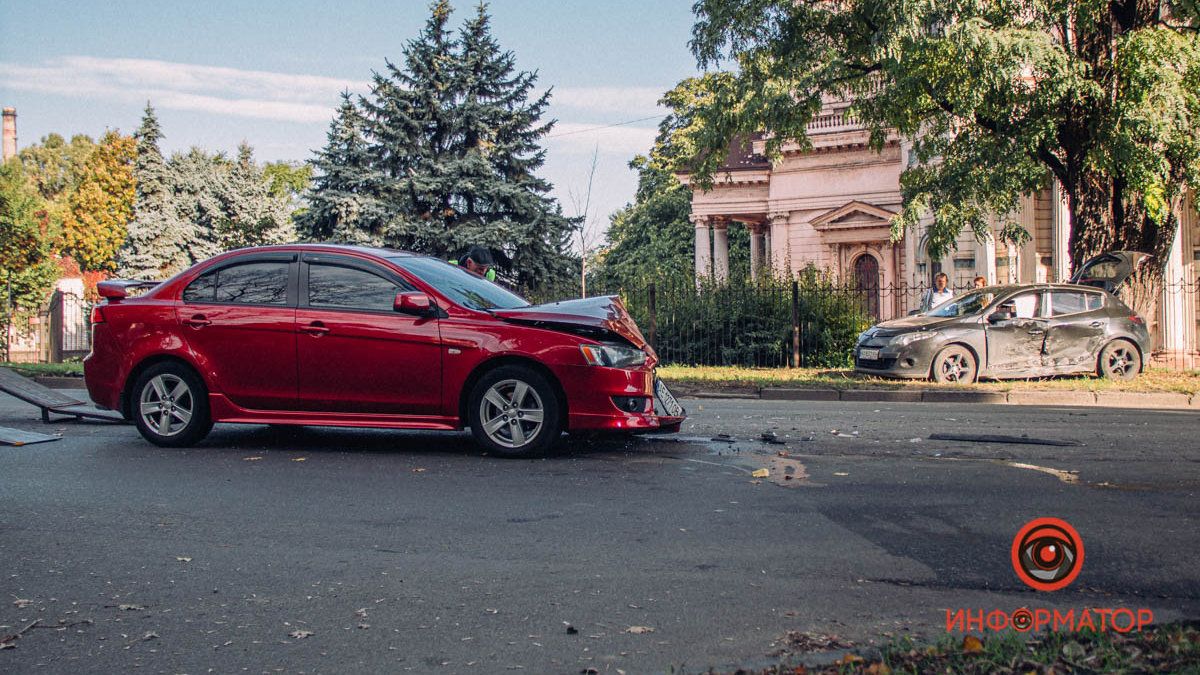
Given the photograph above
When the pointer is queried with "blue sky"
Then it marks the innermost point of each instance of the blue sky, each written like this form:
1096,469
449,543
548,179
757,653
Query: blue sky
269,72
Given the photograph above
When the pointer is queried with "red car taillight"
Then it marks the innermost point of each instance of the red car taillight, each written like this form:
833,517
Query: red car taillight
1137,320
97,315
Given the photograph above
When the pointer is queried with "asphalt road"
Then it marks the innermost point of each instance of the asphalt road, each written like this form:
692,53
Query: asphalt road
415,552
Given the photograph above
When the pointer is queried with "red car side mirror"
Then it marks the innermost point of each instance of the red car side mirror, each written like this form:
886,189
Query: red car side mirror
416,304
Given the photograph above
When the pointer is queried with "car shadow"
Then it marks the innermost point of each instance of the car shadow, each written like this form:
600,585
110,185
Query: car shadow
314,439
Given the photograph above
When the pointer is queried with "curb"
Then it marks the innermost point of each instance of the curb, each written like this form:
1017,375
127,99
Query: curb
56,382
1103,399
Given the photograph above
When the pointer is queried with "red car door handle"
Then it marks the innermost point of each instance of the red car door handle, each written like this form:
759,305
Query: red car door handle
196,321
315,328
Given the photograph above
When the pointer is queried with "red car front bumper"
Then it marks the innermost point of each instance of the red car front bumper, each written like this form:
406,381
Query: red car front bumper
590,391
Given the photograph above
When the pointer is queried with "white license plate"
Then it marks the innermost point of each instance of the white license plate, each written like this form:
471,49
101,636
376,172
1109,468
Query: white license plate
667,399
868,354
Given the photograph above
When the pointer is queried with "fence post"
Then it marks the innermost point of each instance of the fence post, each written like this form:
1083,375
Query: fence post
795,323
653,314
56,327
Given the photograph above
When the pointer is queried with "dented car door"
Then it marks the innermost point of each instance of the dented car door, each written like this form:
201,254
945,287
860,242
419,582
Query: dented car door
1015,336
1075,329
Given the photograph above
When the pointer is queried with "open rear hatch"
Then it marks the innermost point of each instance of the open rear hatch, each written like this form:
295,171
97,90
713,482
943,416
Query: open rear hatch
1109,271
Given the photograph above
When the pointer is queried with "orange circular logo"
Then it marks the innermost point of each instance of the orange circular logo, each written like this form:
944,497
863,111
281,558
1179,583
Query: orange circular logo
1047,554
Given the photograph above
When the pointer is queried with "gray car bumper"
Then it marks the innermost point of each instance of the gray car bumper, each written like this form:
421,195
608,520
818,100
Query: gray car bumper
905,362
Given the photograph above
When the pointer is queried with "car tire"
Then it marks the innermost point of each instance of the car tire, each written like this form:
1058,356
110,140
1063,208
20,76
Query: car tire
1119,360
954,365
513,411
169,403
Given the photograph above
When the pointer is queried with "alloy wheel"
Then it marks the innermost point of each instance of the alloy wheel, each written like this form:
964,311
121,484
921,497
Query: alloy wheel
511,413
167,404
1120,361
955,368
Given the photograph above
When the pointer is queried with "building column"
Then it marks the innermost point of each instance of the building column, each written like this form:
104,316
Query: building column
1028,255
1060,222
985,258
703,247
1176,323
720,249
780,256
757,246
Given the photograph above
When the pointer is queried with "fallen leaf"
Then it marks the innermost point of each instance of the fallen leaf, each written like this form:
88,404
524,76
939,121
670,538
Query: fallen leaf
299,459
22,603
8,645
130,608
251,459
849,660
150,636
972,645
840,473
760,473
878,668
301,634
639,630
418,470
182,558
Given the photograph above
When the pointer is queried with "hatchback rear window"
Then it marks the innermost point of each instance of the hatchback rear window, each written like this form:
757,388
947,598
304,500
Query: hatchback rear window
1073,302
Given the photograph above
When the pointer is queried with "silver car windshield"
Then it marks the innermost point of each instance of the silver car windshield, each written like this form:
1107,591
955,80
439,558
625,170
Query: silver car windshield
459,285
965,305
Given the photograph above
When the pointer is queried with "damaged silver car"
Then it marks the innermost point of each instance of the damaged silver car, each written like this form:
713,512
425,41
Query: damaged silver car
1019,331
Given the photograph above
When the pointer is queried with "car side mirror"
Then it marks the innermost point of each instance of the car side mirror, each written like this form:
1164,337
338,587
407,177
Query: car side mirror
416,304
1001,315
914,312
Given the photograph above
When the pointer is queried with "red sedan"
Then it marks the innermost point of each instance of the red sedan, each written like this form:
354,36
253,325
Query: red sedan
362,337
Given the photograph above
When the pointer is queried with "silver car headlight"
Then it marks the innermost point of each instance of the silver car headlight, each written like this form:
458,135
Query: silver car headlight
909,338
613,356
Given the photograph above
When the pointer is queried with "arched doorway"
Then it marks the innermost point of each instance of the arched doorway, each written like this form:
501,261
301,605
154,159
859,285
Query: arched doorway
866,278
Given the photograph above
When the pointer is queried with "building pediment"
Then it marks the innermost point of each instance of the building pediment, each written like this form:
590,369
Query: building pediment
854,215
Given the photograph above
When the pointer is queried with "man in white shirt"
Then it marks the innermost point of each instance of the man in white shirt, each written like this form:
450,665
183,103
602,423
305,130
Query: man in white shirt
939,294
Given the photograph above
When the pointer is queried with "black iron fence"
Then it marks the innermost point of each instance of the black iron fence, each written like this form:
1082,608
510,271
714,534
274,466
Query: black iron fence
814,322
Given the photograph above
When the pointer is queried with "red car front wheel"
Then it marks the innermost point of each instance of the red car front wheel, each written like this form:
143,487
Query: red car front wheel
513,411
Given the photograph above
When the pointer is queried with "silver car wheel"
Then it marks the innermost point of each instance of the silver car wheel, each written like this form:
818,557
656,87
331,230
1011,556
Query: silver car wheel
511,413
166,405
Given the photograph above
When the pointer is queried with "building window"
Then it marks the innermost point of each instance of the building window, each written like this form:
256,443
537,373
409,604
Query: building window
964,264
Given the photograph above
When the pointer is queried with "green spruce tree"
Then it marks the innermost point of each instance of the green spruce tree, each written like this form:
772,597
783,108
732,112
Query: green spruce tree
157,242
341,201
452,140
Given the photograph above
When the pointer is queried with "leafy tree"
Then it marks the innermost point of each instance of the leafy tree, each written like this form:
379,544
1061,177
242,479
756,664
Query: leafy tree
157,243
56,166
996,98
101,205
451,152
26,267
289,180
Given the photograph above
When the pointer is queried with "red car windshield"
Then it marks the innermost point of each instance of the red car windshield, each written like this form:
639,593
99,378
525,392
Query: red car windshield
459,285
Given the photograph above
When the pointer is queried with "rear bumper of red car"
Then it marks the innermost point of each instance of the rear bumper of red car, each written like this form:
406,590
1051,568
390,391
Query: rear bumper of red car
590,392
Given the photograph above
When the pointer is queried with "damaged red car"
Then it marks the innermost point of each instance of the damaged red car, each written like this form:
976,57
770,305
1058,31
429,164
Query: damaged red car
362,337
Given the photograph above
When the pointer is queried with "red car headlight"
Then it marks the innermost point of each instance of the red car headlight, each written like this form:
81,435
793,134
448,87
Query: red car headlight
613,356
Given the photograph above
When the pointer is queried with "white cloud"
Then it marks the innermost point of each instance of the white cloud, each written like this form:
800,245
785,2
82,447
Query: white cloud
621,140
184,86
632,101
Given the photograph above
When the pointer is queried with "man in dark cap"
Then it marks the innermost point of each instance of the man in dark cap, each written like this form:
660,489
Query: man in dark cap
478,260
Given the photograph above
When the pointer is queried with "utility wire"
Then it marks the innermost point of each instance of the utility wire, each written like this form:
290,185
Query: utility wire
606,126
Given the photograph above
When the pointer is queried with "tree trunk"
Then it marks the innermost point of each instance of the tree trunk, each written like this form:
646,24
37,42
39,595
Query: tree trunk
1108,217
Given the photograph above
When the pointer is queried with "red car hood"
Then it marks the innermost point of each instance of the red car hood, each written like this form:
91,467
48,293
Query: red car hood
601,313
